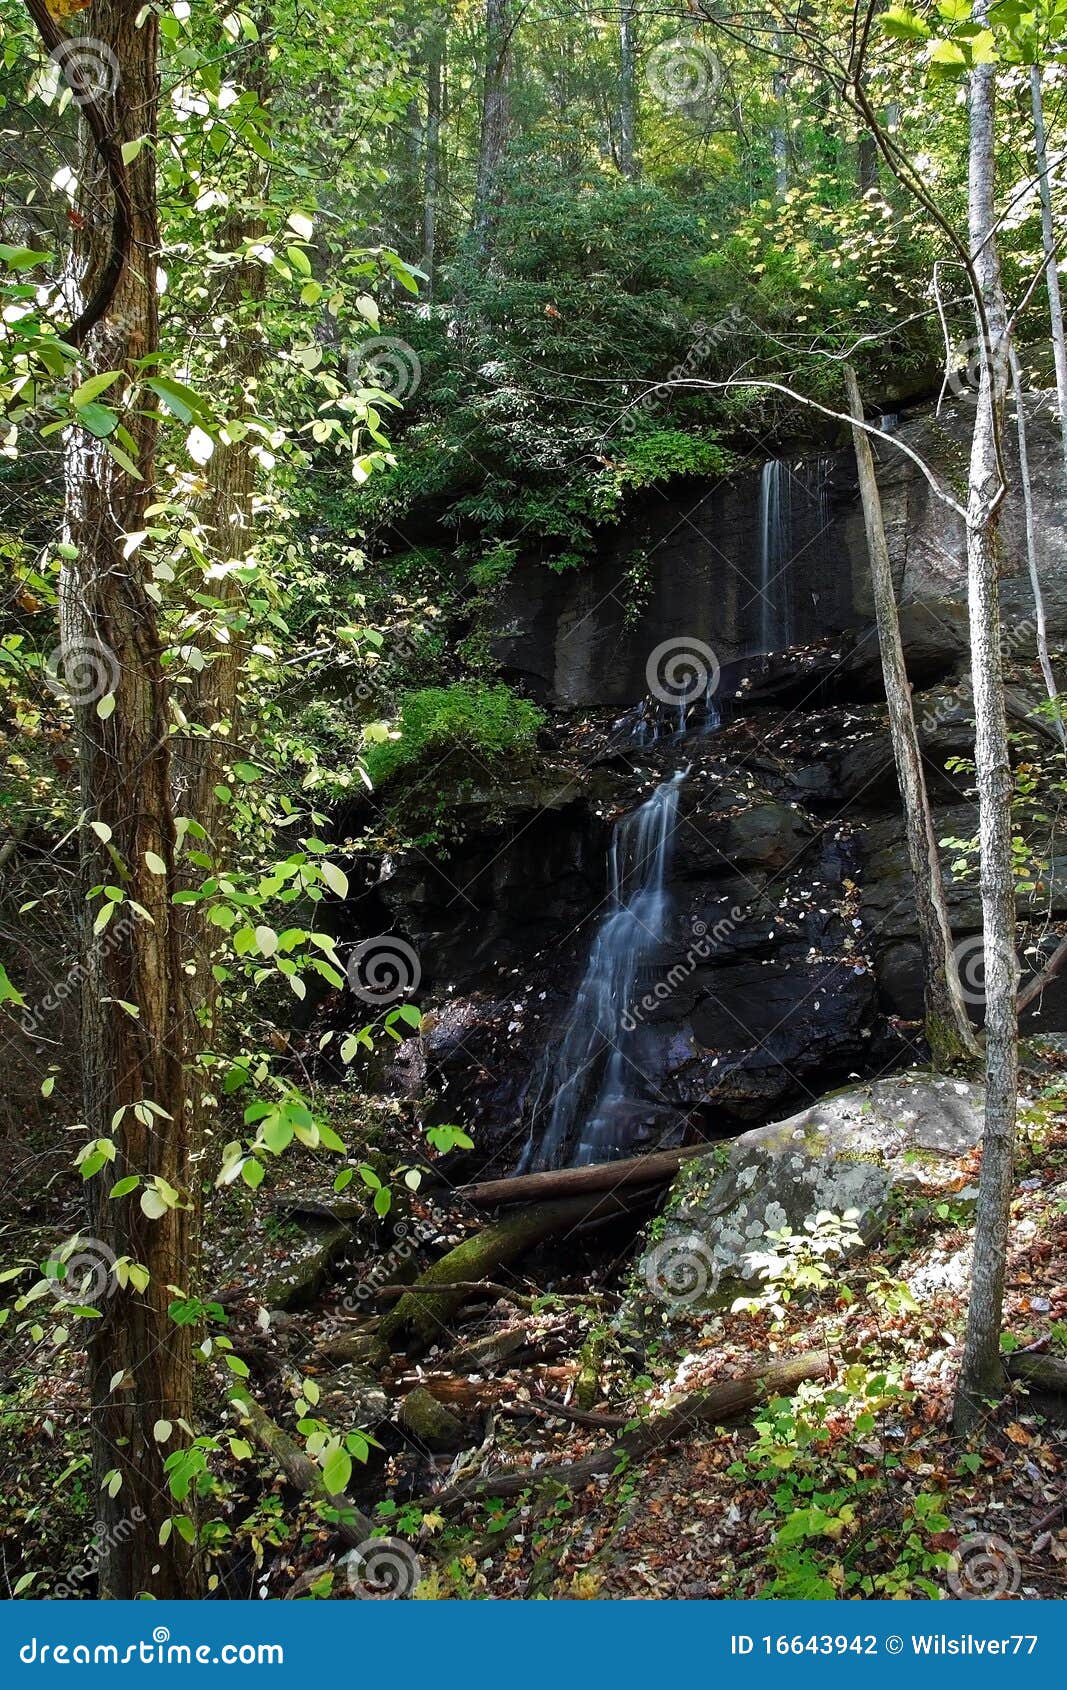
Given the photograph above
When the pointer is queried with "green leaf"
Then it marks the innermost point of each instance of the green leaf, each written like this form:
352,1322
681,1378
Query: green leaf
905,25
337,1471
98,419
335,878
8,992
91,389
123,1187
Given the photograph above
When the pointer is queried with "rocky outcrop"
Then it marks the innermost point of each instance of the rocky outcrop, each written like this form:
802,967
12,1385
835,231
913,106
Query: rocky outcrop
844,1156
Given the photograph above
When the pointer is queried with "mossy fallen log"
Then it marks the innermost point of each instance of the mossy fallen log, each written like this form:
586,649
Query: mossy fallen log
1048,1373
422,1315
654,1169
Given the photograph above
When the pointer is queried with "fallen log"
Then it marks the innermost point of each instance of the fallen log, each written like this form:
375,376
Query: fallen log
655,1169
1048,1373
352,1524
423,1312
701,1408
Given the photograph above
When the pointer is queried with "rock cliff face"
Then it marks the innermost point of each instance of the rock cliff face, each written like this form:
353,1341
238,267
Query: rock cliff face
785,957
769,560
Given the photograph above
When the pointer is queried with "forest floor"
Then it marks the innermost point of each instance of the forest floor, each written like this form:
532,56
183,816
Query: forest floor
854,1487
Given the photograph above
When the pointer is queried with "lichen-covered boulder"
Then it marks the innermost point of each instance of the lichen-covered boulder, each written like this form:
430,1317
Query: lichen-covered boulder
844,1154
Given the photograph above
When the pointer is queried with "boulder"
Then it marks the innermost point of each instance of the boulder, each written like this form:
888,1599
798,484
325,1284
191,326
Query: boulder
845,1153
430,1422
353,1397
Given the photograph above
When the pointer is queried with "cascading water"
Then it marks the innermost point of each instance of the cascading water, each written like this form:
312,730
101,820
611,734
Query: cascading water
584,1084
776,532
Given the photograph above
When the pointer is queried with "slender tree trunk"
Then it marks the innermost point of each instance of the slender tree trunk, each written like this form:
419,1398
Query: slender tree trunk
779,133
495,117
1048,242
981,1373
140,1361
627,89
436,47
948,1030
1031,541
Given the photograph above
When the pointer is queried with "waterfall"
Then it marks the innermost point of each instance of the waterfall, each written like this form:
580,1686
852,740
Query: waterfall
775,531
583,1085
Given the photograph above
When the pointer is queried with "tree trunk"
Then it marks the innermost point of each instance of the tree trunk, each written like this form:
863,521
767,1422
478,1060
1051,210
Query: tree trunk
1048,242
140,1361
627,89
948,1030
1031,542
493,138
436,48
981,1372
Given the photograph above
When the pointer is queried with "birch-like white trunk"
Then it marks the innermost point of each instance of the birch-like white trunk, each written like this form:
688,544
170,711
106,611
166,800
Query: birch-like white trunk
981,1373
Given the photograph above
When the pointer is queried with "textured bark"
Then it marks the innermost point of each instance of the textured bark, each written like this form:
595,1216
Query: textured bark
1041,639
627,88
981,1373
126,784
1048,243
948,1029
495,123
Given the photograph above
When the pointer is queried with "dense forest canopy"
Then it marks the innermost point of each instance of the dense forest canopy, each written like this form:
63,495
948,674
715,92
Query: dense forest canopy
343,351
